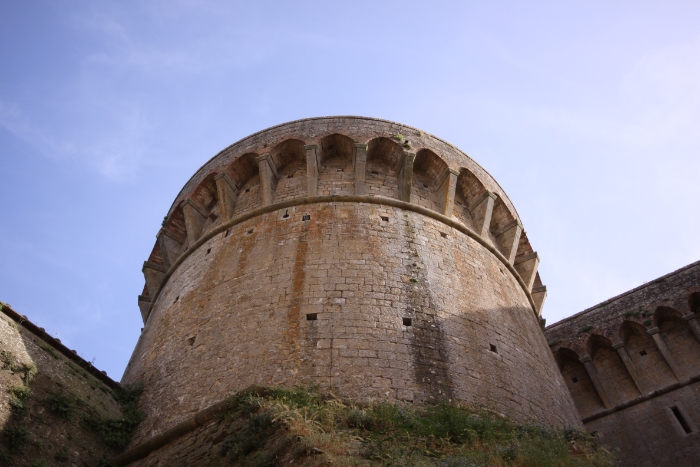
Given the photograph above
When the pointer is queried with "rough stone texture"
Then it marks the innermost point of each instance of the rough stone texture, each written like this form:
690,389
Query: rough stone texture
319,292
54,374
652,328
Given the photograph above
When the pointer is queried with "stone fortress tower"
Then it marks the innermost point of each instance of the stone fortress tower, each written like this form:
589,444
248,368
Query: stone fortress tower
360,255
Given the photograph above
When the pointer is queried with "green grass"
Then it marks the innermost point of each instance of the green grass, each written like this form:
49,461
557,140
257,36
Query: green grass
293,424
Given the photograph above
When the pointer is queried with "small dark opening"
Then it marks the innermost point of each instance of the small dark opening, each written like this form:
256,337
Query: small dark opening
247,190
250,231
574,379
187,248
375,172
290,175
681,419
385,218
286,214
228,232
306,217
643,353
406,321
492,348
311,316
208,250
444,235
425,186
213,217
191,340
340,170
176,299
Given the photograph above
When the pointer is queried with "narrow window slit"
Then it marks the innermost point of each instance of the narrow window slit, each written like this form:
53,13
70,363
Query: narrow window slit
385,218
444,235
176,299
228,232
406,321
208,250
681,419
311,316
492,348
374,172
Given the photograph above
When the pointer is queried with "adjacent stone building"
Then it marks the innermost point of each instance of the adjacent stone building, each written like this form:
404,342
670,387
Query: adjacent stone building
356,254
632,366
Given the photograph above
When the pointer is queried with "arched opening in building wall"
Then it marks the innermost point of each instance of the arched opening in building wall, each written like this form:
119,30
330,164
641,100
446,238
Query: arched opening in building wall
383,159
652,370
694,303
616,380
428,172
578,382
246,177
290,160
676,333
336,174
467,192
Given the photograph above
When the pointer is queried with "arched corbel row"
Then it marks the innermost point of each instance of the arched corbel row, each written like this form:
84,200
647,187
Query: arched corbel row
226,189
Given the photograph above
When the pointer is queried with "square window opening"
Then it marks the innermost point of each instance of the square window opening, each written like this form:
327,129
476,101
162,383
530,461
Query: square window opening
191,340
250,231
311,316
492,348
374,172
247,190
406,321
306,217
385,218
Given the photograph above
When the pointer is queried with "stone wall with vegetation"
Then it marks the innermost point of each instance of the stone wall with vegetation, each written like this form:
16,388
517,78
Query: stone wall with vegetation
56,409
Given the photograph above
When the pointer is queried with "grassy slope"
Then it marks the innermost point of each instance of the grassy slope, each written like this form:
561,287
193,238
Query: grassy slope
274,427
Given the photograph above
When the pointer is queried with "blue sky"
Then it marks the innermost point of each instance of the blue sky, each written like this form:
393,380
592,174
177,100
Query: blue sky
587,113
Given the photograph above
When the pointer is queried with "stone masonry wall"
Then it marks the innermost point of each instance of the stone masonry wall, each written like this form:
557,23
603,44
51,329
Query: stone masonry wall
235,313
632,364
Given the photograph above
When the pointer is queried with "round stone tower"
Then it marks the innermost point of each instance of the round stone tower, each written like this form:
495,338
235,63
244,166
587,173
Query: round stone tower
360,255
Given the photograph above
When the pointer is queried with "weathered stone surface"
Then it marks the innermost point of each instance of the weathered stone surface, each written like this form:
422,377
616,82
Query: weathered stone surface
370,299
643,349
